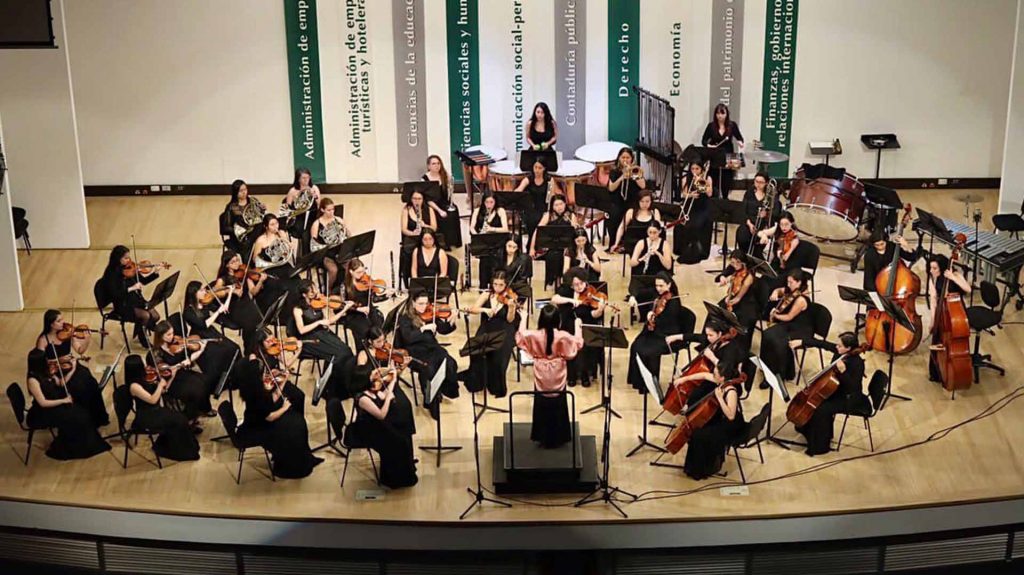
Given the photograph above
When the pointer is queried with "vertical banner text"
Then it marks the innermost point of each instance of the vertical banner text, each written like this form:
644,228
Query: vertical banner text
463,78
304,86
779,71
410,87
570,72
726,55
623,69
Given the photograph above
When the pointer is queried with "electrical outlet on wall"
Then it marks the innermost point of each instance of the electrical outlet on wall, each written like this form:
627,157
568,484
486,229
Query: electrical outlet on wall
943,182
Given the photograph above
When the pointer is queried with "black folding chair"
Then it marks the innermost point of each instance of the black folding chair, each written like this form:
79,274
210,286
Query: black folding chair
17,398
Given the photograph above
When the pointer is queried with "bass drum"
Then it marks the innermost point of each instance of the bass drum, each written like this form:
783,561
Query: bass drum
826,209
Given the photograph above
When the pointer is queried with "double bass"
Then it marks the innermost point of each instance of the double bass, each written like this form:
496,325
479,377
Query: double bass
896,281
678,394
821,387
697,417
956,367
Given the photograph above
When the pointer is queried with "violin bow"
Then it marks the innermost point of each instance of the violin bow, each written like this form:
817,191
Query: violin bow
209,285
135,254
60,372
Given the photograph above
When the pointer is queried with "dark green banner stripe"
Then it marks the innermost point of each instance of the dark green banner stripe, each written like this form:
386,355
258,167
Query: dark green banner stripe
779,71
463,78
304,86
623,69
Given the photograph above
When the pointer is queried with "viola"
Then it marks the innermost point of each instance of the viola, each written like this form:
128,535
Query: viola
821,387
215,294
436,311
273,346
898,282
190,343
64,365
389,354
333,302
164,369
954,360
80,331
251,272
367,283
659,307
697,417
143,267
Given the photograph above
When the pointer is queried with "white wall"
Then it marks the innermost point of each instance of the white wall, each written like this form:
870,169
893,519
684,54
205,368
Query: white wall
1011,191
182,91
934,72
10,281
37,103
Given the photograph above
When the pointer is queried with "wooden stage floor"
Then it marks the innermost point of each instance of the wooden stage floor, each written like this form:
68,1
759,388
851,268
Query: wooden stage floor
982,460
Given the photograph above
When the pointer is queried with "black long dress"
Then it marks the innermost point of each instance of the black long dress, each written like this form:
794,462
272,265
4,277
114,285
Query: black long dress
409,244
287,437
125,302
189,387
553,260
425,269
775,351
450,226
423,345
751,206
77,437
875,262
539,196
278,282
849,398
358,322
326,346
82,384
390,437
488,261
705,453
691,241
586,363
489,370
712,137
622,199
243,310
216,360
650,345
175,440
653,267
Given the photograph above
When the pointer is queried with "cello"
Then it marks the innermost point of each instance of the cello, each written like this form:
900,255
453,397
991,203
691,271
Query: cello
697,416
821,387
678,394
896,281
956,367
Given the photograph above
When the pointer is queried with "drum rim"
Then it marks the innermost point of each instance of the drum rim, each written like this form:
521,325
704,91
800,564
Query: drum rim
829,212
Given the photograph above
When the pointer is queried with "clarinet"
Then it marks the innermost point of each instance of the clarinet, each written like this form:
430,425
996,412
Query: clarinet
467,272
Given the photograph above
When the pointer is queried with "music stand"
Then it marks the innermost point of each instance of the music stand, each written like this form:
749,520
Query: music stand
163,292
432,388
559,238
595,199
431,190
309,261
110,372
527,158
516,203
321,382
273,311
354,246
879,142
639,283
222,381
778,386
653,388
726,211
479,346
606,338
895,311
444,287
669,212
724,316
756,264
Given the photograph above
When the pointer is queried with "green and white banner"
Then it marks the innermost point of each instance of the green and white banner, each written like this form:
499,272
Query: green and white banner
571,72
410,76
726,55
463,77
304,86
623,69
779,72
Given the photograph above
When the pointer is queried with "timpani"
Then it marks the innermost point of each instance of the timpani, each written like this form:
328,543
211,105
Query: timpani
571,172
504,176
603,155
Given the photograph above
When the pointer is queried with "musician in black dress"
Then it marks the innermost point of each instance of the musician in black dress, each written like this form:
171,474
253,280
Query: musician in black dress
538,185
880,254
541,129
53,406
740,297
314,328
429,260
942,280
558,214
569,299
275,417
125,292
175,439
200,319
660,331
301,199
791,321
244,215
488,219
385,423
242,309
691,239
584,255
720,133
489,370
79,380
759,214
188,386
625,182
849,398
650,257
449,223
706,450
274,251
518,267
419,338
637,217
328,230
361,316
782,241
416,217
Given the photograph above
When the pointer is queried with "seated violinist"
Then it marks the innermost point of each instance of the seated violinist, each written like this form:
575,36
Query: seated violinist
707,447
659,332
783,241
849,398
497,308
58,340
418,327
123,281
574,300
360,288
312,321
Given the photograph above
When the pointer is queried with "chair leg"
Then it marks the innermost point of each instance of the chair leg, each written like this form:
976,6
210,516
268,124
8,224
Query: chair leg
152,443
760,454
871,440
238,476
270,466
127,342
28,449
344,470
124,462
103,328
376,474
839,443
743,476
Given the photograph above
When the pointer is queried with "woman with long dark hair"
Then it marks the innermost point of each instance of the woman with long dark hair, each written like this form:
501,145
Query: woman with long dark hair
53,406
79,380
658,334
488,219
242,309
539,185
429,260
541,129
568,297
419,338
558,214
361,317
416,218
941,280
625,182
705,452
449,223
584,255
199,319
691,240
313,326
791,321
638,217
301,199
551,349
245,213
125,292
274,252
495,316
720,133
175,439
518,267
188,386
328,230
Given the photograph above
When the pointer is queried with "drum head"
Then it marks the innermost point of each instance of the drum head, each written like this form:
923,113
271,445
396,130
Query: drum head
822,223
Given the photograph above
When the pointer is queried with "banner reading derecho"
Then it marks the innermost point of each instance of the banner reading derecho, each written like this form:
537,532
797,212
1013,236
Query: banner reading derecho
304,86
623,69
726,55
463,78
779,71
410,87
570,72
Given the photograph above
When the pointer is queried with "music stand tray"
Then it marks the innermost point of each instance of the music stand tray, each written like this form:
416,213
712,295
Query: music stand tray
444,287
431,190
513,201
163,291
555,237
490,244
527,158
355,246
593,197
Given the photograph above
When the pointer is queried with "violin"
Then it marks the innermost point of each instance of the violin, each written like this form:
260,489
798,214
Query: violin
399,357
143,267
275,377
697,416
273,346
659,307
436,311
151,374
735,285
216,294
190,343
785,243
164,369
64,365
594,297
333,302
80,331
509,297
367,283
821,387
251,272
679,393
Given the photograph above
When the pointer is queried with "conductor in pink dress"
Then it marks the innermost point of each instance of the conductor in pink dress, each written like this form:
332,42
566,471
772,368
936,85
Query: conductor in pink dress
550,348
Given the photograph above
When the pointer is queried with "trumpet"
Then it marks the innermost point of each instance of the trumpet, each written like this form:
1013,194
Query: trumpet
636,172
